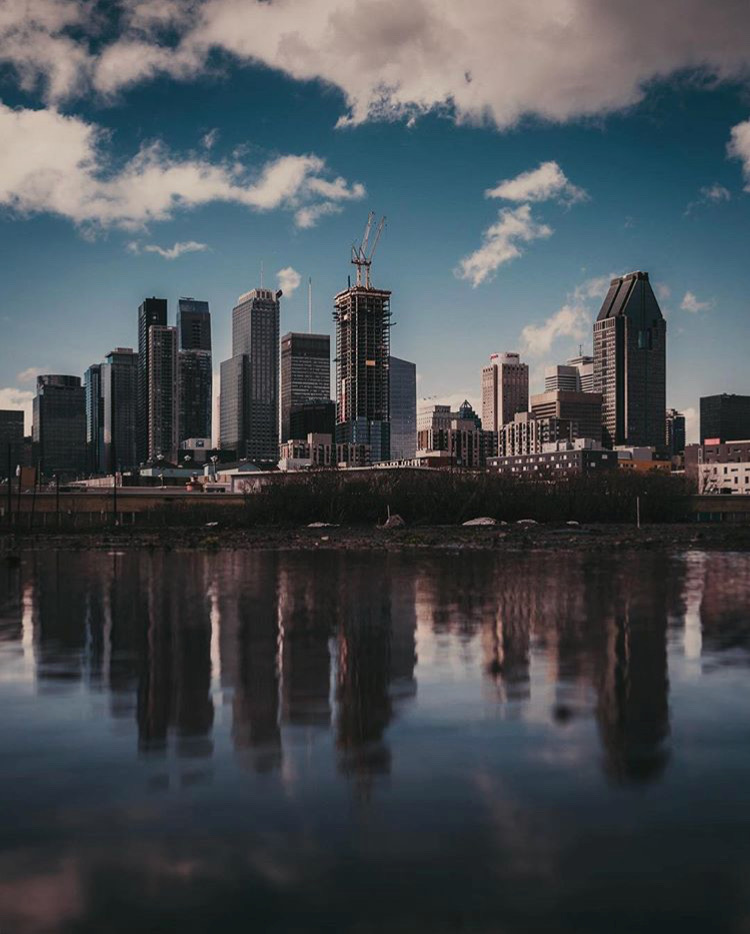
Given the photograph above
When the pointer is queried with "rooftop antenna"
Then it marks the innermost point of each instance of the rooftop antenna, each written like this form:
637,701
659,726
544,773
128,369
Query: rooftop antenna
580,350
360,256
309,305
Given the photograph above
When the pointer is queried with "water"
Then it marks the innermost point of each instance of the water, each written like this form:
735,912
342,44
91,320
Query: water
364,743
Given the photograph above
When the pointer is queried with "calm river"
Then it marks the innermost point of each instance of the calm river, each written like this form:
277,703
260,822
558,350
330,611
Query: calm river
360,743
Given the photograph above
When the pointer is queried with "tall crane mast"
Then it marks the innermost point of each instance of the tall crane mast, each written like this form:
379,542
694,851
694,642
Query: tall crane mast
361,258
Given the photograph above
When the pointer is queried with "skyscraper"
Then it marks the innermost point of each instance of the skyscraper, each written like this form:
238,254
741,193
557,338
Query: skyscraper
582,409
563,378
630,368
249,404
195,369
92,380
363,342
59,432
585,367
505,390
725,418
151,312
403,408
305,374
161,411
675,432
119,394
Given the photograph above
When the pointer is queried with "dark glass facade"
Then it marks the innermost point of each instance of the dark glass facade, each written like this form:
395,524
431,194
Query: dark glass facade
305,375
193,325
119,394
313,418
11,439
675,432
162,394
151,312
59,433
402,386
195,369
94,419
630,363
725,418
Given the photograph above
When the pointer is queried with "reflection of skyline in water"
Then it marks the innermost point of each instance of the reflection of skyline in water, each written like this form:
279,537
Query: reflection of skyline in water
334,650
491,715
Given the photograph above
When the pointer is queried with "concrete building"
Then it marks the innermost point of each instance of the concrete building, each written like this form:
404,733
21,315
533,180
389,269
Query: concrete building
317,450
194,369
562,377
305,375
162,396
403,408
119,376
363,340
11,439
151,312
527,434
249,403
724,417
557,460
92,381
59,433
630,364
585,367
714,454
583,409
458,434
675,432
505,390
724,478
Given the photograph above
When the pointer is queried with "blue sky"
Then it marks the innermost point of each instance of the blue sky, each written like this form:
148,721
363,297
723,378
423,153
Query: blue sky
173,123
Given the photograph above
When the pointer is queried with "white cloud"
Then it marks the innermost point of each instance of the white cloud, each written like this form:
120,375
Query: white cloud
57,164
28,375
692,425
571,321
172,252
289,280
546,182
484,61
690,303
739,148
709,194
501,243
209,139
13,398
663,292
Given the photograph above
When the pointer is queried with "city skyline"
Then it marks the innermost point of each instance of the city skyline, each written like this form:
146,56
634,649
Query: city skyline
507,199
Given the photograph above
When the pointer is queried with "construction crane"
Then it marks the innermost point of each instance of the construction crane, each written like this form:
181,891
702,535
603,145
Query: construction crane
360,256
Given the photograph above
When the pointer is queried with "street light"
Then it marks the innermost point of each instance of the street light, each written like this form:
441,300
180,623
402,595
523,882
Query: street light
160,458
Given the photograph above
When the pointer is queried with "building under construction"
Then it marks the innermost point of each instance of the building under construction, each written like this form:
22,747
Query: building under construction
363,345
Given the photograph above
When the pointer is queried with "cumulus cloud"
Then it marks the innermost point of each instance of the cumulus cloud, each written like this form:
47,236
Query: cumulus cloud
739,148
663,292
172,252
501,243
690,303
209,139
28,375
289,280
484,61
546,182
709,194
571,321
58,164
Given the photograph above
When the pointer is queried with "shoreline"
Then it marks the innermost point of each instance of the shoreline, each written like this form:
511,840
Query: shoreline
502,538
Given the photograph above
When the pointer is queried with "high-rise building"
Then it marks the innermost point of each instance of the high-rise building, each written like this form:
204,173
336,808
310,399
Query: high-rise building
675,432
562,377
161,412
194,369
11,439
313,418
458,435
249,402
152,312
630,363
585,367
59,432
119,404
363,342
403,408
582,409
725,418
92,381
305,375
528,434
505,390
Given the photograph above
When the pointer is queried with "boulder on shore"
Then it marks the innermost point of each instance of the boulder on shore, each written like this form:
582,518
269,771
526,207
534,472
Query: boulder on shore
527,522
394,522
481,520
